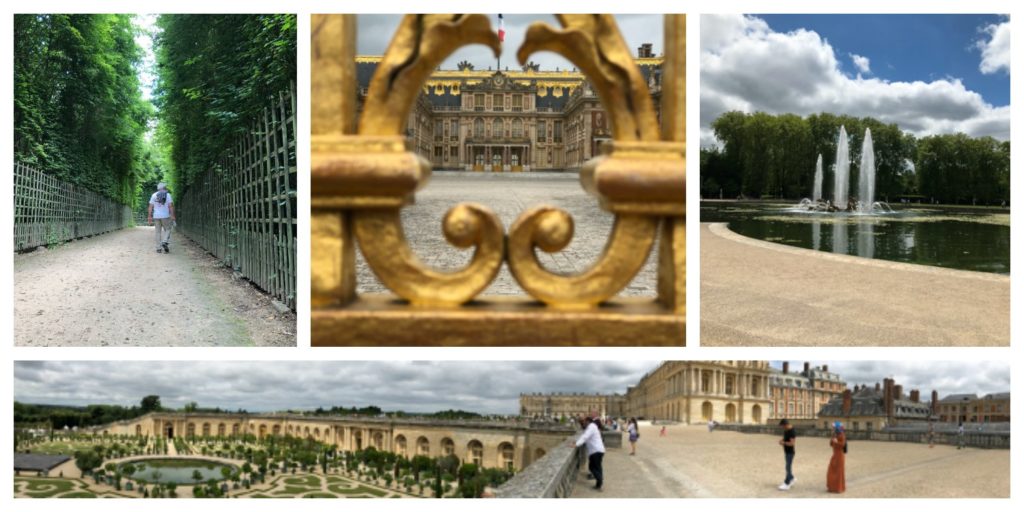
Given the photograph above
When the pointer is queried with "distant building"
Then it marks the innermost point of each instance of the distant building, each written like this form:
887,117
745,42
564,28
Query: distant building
801,395
699,391
570,405
968,408
510,120
885,405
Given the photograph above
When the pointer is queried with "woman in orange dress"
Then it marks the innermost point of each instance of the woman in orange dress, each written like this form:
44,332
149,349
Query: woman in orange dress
836,479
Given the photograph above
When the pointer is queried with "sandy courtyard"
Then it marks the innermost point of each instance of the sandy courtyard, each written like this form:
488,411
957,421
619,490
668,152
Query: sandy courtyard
691,463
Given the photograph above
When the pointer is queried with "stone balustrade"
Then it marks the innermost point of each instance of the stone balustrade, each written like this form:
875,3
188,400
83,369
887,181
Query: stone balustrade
972,438
554,475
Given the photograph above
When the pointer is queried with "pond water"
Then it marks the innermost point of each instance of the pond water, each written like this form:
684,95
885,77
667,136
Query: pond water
177,470
964,239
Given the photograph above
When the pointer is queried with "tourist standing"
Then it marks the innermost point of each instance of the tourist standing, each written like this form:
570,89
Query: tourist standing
591,437
931,435
960,436
788,443
836,479
161,216
634,434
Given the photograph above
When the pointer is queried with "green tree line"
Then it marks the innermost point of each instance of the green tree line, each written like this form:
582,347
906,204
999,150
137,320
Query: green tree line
773,156
78,109
216,73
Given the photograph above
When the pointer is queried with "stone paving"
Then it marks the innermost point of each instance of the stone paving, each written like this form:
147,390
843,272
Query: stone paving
508,195
756,293
689,462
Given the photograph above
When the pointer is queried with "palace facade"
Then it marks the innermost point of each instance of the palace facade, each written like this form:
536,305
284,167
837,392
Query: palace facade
571,405
504,444
885,405
969,408
800,395
699,391
516,120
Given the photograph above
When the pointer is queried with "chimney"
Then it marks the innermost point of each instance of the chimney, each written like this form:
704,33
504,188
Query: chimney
877,387
887,397
807,367
897,392
935,402
645,50
824,368
915,395
847,402
785,367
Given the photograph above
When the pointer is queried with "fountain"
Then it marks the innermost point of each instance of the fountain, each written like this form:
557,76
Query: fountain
841,198
816,195
842,202
867,174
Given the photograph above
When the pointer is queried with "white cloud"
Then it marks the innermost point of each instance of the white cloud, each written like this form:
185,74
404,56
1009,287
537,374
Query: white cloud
862,63
747,66
995,51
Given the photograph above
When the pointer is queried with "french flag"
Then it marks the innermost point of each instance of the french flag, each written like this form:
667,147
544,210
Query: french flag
501,28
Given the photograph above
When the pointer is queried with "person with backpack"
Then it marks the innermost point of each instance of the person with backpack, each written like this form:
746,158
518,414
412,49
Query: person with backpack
836,478
161,216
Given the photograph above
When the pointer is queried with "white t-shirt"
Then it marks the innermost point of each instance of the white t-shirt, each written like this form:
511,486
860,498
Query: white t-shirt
161,211
592,438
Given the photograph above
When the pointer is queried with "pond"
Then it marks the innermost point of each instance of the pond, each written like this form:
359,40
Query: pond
177,470
959,238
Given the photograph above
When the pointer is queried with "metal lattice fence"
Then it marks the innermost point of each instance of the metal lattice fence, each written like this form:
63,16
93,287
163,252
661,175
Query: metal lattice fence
48,210
244,211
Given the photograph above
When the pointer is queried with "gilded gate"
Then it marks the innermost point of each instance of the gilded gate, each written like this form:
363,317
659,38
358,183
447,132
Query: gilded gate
362,175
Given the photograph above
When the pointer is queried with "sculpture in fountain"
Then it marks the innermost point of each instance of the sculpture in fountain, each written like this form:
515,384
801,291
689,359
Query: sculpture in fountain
842,202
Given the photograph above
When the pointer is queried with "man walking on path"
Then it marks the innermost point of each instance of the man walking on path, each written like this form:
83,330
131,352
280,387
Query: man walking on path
788,443
595,450
161,216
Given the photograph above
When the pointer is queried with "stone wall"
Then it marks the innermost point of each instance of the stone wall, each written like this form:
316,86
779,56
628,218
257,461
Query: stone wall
998,440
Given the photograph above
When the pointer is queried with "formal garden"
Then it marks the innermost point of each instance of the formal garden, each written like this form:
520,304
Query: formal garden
242,467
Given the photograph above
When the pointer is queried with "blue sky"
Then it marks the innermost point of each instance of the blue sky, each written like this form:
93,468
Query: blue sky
908,47
929,74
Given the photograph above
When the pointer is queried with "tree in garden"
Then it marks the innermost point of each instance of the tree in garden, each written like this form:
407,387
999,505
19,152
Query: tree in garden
197,476
88,460
150,403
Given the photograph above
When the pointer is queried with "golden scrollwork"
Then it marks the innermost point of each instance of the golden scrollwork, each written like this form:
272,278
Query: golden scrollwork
550,229
594,44
380,236
421,43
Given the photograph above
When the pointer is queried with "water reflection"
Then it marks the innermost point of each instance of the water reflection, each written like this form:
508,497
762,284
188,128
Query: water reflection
911,237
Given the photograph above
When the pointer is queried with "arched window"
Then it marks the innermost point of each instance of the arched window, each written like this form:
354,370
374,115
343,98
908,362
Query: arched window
517,128
400,445
423,446
478,128
506,456
447,446
497,128
476,452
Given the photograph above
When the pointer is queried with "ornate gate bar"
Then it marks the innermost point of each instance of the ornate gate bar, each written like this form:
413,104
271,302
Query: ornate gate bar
362,176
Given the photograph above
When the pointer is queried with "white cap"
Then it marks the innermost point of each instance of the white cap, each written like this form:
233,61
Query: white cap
161,186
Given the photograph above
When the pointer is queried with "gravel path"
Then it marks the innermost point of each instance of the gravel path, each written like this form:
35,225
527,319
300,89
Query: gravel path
756,293
116,290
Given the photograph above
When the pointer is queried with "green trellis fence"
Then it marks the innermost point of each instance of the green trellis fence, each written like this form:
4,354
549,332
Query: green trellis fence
49,210
243,211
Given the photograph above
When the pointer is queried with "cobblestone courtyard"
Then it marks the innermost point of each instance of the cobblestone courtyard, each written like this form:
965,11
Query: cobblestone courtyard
508,195
691,463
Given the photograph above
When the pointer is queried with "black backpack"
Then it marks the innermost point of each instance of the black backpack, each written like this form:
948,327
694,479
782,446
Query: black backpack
161,196
846,445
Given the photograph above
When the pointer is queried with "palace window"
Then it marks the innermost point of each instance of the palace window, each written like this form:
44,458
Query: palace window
454,152
438,129
542,128
499,102
478,128
517,103
478,102
454,133
496,128
558,131
729,385
517,128
438,152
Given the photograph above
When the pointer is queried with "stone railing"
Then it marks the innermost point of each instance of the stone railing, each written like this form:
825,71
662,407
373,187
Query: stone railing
972,438
552,476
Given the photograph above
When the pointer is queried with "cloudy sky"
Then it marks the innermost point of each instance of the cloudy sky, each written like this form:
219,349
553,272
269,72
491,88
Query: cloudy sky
946,377
412,386
927,73
375,31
